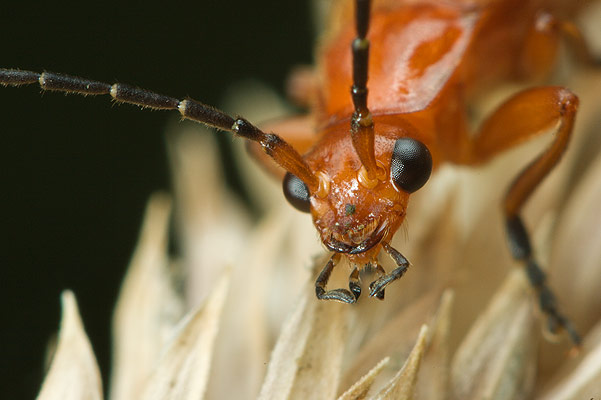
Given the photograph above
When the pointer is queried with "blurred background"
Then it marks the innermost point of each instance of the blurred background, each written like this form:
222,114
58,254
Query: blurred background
76,172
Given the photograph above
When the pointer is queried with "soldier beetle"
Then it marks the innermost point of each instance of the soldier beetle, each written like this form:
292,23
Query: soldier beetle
389,99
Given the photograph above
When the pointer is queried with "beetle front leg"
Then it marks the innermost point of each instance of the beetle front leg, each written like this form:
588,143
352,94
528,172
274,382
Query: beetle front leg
341,295
381,273
354,283
376,288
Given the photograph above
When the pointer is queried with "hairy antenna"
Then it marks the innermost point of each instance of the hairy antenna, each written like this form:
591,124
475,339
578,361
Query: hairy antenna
280,151
362,125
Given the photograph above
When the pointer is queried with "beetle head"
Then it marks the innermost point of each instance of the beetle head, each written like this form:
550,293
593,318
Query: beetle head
352,213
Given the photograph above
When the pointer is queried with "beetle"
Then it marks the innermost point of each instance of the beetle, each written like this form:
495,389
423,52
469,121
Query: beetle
389,111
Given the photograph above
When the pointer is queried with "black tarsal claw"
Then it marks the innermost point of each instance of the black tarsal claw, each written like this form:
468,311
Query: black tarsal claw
376,289
340,295
355,289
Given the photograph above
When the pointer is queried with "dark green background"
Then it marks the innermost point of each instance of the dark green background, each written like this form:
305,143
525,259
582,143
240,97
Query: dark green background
76,172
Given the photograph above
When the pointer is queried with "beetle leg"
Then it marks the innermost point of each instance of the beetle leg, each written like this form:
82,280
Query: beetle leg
381,272
376,288
527,114
341,295
519,244
354,283
542,43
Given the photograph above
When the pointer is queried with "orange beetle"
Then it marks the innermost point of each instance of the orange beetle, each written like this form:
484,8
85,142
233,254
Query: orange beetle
427,61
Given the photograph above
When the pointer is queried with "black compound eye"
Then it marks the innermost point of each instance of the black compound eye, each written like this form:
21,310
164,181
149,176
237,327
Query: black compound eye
297,193
411,164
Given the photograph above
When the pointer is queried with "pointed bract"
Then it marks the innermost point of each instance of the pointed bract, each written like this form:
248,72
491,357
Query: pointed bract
402,385
496,360
307,358
579,378
183,369
435,370
147,309
360,389
73,373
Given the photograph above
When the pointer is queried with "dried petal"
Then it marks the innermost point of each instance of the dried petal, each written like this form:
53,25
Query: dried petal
577,246
497,358
74,373
147,309
182,371
307,358
402,385
394,340
580,378
360,389
213,226
263,288
434,375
